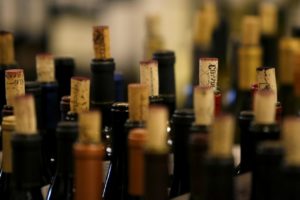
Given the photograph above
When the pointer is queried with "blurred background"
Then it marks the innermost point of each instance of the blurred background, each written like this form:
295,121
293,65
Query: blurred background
137,28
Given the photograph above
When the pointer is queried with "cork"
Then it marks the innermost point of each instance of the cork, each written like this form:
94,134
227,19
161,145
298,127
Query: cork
221,138
266,79
268,13
8,127
7,51
80,94
45,68
264,107
296,65
287,48
250,57
208,72
89,127
136,142
14,84
149,76
204,29
153,24
204,105
24,110
291,138
138,99
101,39
250,30
157,129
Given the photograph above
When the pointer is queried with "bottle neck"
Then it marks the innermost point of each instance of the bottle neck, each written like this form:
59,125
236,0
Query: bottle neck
6,151
65,159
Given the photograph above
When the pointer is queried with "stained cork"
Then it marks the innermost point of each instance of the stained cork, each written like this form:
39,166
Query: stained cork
101,39
14,85
266,79
80,94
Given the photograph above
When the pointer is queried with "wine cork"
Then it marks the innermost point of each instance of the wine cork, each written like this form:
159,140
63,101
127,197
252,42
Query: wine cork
8,127
264,107
7,51
24,110
157,129
287,48
204,105
208,72
266,79
221,137
138,99
250,30
101,40
136,142
45,68
204,29
14,85
250,57
296,65
291,138
268,13
89,127
210,8
153,25
149,76
80,94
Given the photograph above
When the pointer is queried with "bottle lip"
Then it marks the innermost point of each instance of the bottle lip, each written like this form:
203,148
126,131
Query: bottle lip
119,107
261,68
164,54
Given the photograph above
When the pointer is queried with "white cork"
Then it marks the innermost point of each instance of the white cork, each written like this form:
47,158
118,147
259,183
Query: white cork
268,13
89,127
14,85
138,99
221,138
157,129
266,79
24,110
149,76
101,39
80,94
208,72
204,105
45,68
291,139
251,30
264,107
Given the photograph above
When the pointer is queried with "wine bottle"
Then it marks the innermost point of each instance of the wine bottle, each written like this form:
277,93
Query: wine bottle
156,155
61,187
113,187
79,98
208,77
8,127
218,166
198,144
204,107
166,77
268,13
267,173
64,70
64,107
291,173
181,122
296,89
149,77
249,58
7,61
102,80
50,107
88,155
26,152
287,47
136,142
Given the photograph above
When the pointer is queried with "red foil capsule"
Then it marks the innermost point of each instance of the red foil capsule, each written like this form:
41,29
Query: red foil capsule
218,102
